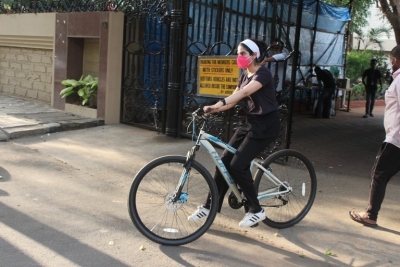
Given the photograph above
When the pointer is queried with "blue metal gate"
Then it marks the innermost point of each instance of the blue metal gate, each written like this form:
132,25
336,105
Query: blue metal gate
164,39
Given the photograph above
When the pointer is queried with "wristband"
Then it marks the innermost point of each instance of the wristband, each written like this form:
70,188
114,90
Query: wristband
223,101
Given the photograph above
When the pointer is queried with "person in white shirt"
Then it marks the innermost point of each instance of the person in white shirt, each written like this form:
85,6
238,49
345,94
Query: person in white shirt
387,162
275,61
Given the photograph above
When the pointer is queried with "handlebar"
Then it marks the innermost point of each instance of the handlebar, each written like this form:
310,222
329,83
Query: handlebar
201,117
197,112
200,112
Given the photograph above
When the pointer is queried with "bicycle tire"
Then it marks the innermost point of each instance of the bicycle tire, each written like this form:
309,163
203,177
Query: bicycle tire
295,170
151,210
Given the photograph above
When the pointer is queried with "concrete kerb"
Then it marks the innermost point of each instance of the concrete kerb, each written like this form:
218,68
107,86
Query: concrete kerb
7,134
22,131
3,136
79,124
21,117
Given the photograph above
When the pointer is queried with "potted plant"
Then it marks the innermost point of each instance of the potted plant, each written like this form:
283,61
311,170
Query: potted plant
85,88
83,94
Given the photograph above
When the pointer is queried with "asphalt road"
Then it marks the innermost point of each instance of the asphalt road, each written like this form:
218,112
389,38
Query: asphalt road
63,203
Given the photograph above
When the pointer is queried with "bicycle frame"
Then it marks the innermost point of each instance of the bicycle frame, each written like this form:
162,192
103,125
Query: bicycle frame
204,140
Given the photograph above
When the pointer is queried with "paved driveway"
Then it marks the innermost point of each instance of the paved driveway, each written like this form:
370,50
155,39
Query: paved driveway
63,202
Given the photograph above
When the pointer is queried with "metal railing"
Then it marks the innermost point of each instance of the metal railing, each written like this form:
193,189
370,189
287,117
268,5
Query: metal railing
62,6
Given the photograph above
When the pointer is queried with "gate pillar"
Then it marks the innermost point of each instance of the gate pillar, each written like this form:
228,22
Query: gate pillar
177,21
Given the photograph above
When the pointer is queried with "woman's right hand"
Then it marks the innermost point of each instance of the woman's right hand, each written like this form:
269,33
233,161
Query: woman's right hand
207,109
213,108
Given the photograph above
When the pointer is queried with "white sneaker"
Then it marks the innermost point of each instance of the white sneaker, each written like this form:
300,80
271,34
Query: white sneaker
251,219
199,214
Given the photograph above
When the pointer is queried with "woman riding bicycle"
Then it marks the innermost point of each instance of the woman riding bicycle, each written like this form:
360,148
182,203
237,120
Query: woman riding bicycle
256,88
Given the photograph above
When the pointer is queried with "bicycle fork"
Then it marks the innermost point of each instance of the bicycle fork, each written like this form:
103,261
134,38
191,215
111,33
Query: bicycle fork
181,197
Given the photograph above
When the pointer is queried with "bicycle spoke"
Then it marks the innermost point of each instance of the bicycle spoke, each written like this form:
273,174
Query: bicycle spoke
153,206
294,171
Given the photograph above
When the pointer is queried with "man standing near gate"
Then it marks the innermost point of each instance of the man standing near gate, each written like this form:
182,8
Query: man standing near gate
276,64
370,80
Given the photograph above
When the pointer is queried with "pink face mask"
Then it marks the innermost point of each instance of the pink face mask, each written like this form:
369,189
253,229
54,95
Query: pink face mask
243,61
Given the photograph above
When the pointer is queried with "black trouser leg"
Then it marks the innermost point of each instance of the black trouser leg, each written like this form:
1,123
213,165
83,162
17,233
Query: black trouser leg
369,105
387,164
226,158
324,103
320,104
371,108
327,105
240,169
222,186
238,164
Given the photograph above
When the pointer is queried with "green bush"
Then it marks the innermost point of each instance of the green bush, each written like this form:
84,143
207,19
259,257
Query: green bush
358,92
358,61
85,88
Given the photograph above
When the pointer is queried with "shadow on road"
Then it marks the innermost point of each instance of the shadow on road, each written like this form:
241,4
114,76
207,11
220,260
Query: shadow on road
62,244
233,252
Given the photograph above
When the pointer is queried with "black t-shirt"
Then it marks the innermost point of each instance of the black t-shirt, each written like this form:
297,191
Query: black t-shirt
372,76
327,79
263,101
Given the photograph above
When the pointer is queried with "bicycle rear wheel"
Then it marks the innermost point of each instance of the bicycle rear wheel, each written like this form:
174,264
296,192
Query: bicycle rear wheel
294,170
154,211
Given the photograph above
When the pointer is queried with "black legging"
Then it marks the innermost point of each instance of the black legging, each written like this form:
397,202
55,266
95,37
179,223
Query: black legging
238,164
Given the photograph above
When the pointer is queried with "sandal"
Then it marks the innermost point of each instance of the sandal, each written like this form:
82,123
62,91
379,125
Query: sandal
358,218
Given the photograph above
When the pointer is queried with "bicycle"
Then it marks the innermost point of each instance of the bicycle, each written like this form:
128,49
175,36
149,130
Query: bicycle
168,189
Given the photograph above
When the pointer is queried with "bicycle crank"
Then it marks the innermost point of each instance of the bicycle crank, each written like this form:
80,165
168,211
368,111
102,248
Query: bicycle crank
233,201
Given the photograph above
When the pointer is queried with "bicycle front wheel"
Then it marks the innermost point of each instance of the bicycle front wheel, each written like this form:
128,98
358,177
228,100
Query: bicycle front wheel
156,211
297,174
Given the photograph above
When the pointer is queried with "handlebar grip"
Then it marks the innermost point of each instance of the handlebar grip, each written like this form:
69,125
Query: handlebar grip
198,112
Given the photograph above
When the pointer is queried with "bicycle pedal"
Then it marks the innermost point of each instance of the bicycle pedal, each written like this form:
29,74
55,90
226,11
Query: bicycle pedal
255,225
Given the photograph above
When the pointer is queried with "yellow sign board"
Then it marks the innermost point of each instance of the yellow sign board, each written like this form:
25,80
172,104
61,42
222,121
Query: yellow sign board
217,75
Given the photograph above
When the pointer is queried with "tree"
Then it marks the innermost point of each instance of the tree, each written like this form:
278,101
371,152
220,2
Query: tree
392,12
372,37
7,2
360,14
